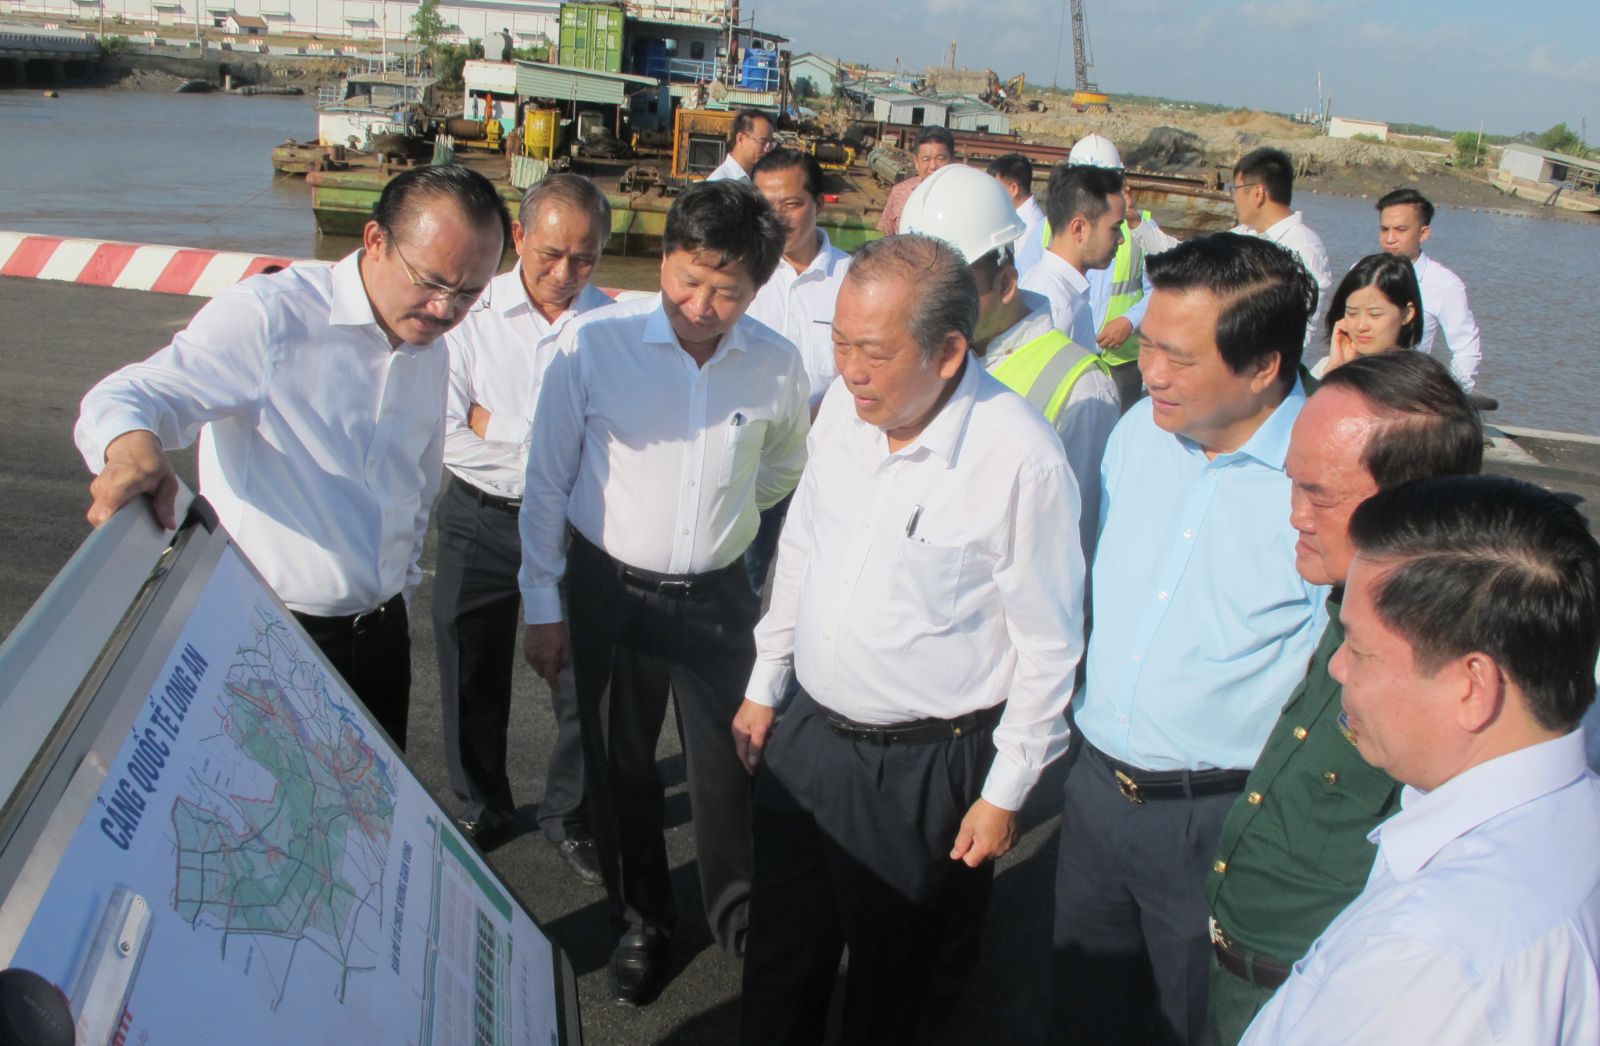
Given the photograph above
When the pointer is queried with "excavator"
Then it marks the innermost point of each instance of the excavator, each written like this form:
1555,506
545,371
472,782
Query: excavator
1006,97
1086,95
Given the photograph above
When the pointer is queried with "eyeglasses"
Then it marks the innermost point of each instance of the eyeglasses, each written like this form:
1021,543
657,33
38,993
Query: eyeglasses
470,301
765,143
1234,187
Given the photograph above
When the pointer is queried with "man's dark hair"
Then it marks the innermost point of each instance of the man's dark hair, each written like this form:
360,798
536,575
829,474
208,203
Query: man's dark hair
941,135
1014,168
1401,197
1266,295
790,160
409,192
1272,168
947,295
1485,563
728,218
1395,279
1427,427
1079,192
744,122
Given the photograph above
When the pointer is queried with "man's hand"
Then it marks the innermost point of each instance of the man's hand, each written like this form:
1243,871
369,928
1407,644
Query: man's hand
547,648
752,725
135,464
1115,333
478,421
987,834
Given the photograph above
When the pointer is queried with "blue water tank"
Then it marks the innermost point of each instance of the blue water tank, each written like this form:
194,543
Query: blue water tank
760,70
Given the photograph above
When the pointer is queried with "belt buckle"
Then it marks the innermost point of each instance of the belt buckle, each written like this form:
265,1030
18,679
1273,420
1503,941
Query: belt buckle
375,615
1217,936
675,587
1128,787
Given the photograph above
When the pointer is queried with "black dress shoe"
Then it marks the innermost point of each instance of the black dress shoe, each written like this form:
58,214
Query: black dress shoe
635,967
582,857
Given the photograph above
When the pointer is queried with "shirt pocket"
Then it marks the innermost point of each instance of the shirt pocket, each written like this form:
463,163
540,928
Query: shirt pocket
926,578
739,442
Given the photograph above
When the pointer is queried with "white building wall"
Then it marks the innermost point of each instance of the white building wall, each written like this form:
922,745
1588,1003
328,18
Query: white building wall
1527,165
1344,127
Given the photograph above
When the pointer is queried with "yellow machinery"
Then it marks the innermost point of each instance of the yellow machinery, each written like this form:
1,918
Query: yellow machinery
541,133
700,139
1087,96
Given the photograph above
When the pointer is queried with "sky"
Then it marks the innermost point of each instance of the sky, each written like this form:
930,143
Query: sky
1448,63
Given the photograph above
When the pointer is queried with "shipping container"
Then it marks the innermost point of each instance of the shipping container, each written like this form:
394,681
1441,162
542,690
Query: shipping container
591,36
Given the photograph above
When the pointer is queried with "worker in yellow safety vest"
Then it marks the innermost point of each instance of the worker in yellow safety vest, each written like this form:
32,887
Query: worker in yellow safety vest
1117,295
1070,384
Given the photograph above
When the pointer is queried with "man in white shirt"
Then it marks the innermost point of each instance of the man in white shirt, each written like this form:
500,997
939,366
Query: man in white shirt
1472,617
930,603
321,402
497,363
664,426
1085,208
1405,220
1015,337
752,137
1263,186
797,302
1015,172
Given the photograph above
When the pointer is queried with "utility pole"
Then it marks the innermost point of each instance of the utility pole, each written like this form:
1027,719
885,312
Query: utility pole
1477,153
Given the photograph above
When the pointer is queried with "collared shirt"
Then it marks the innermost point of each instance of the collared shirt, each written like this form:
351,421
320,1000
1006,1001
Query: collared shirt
1085,422
895,203
1293,232
799,305
729,169
1480,923
322,445
1153,238
1029,247
1444,307
1294,849
1201,622
935,580
1068,293
497,360
661,463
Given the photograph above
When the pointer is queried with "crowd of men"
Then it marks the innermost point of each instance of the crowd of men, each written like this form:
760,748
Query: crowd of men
1022,481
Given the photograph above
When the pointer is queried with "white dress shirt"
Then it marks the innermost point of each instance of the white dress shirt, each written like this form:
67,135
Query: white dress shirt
1153,238
799,305
935,580
1085,421
661,463
322,445
497,360
1444,307
1029,247
1068,293
1479,923
1292,232
729,168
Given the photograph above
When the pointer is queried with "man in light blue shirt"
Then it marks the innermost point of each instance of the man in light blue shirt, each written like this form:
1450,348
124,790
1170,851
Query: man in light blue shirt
1201,625
1472,617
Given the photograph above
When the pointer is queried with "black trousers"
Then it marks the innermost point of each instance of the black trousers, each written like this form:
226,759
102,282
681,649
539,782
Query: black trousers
1132,941
476,625
631,646
853,852
372,651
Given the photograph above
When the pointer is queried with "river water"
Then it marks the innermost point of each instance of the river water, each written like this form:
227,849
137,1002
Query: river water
195,171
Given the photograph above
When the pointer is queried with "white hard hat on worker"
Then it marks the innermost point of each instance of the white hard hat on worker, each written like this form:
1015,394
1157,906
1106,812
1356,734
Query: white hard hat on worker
1095,150
964,207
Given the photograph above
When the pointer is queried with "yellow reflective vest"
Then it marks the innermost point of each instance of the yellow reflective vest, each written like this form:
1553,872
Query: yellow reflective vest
1127,288
1043,372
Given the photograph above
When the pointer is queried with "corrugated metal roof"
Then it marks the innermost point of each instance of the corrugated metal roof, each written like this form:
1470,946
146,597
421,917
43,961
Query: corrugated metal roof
1565,158
565,83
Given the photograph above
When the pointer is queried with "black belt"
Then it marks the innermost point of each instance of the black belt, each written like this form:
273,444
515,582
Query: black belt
1137,785
649,580
486,499
917,732
1251,968
356,624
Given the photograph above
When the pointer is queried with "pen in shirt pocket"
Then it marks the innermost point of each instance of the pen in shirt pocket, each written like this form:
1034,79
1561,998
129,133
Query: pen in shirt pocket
911,524
738,419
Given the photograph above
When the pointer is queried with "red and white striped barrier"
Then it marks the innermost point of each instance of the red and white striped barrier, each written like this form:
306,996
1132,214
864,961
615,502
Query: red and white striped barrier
131,266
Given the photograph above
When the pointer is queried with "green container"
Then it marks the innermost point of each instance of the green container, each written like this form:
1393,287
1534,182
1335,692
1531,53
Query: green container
591,36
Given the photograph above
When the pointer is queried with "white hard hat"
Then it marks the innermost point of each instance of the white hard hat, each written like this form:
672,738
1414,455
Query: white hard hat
1095,150
966,208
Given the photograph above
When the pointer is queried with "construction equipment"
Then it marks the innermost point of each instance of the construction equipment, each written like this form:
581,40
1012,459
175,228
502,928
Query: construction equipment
1086,96
1006,97
700,139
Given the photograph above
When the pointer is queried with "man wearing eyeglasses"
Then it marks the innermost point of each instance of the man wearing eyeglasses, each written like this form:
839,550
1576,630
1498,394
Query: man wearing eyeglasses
497,363
753,137
322,410
1263,188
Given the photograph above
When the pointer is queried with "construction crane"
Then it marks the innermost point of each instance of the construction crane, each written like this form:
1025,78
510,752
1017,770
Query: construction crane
1086,96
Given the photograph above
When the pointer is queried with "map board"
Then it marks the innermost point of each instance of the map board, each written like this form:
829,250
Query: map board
242,856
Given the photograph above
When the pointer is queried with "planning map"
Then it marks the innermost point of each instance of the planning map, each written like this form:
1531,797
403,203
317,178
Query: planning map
295,882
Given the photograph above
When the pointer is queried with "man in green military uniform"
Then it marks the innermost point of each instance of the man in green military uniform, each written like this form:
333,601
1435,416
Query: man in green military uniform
1294,848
